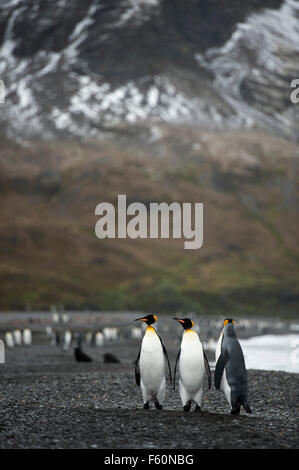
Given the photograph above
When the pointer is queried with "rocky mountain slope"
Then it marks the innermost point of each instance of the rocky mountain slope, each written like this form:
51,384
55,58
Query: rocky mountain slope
74,71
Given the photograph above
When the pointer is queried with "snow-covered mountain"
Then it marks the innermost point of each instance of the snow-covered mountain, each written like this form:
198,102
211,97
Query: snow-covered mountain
75,68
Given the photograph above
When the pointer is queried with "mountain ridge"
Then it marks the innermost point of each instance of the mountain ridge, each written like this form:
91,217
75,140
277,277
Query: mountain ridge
71,72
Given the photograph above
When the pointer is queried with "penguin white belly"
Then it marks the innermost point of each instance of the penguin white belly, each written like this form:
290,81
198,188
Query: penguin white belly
27,337
224,386
152,365
191,365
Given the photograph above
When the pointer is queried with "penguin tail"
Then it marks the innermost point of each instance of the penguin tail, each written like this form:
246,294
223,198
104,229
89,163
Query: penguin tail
247,407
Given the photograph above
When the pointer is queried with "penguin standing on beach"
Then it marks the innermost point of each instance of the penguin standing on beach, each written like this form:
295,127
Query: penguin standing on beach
17,335
150,365
9,341
192,365
230,372
27,337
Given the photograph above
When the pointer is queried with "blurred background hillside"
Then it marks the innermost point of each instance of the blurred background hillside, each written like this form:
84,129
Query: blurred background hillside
161,100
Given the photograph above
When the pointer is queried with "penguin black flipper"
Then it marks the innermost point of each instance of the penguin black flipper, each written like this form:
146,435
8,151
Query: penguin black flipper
137,369
176,362
222,360
208,370
166,355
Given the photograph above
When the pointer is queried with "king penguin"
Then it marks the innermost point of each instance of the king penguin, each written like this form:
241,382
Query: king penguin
150,365
192,364
27,337
230,372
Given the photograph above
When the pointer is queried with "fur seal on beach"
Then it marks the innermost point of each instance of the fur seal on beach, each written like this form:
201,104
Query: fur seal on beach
80,356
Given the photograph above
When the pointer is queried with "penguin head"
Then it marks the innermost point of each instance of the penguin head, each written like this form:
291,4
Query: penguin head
228,320
185,322
148,319
229,327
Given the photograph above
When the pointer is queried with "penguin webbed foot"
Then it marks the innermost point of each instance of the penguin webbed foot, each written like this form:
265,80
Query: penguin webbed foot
187,407
146,405
235,410
247,408
157,405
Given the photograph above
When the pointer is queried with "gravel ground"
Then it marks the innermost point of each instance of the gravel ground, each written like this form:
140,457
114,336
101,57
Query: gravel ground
49,401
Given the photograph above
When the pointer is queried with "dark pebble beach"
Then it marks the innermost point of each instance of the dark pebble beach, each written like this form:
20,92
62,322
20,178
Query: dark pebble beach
48,400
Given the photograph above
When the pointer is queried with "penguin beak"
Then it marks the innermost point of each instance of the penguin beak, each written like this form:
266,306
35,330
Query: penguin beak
140,319
178,319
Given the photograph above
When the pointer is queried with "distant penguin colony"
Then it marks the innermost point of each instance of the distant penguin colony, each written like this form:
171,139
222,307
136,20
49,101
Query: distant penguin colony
230,372
17,338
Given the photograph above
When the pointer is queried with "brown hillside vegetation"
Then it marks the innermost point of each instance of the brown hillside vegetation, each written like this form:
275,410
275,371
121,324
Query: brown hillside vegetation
248,182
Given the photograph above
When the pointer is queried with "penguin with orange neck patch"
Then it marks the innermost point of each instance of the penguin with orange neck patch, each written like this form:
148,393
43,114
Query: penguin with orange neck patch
150,365
230,372
192,364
